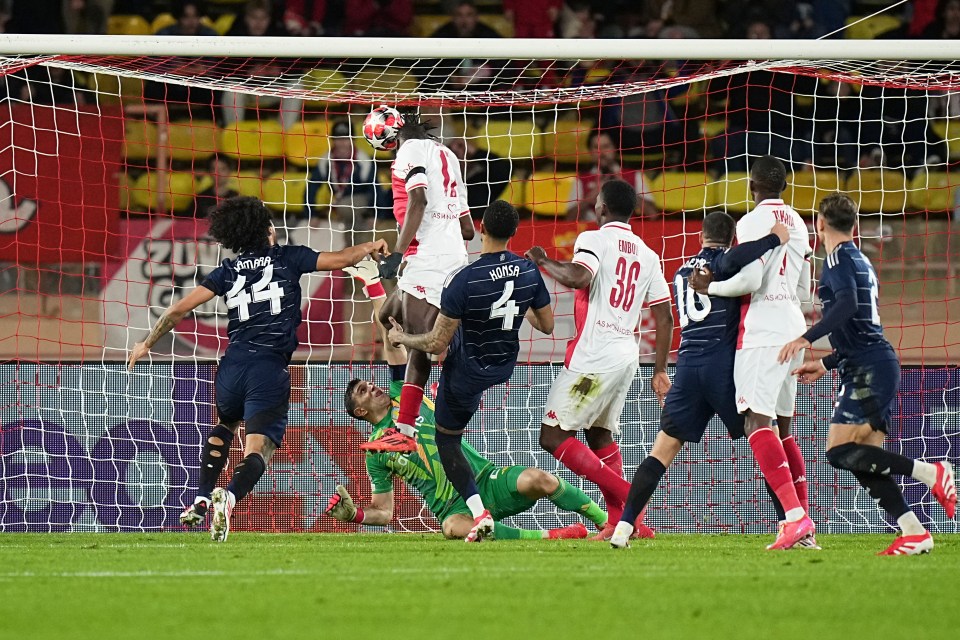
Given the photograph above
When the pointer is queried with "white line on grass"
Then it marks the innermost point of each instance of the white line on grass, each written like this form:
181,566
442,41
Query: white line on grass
151,574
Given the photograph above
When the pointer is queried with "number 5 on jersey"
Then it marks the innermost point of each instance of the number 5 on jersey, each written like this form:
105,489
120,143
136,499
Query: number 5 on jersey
262,290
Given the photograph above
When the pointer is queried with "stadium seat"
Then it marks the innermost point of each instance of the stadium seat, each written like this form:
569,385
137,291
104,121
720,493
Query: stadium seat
547,194
251,140
111,89
285,195
249,183
517,139
322,80
805,189
192,139
139,139
566,140
681,191
516,193
223,24
858,28
176,189
125,25
933,190
393,83
424,26
162,21
124,187
712,127
878,191
306,139
732,193
949,130
498,23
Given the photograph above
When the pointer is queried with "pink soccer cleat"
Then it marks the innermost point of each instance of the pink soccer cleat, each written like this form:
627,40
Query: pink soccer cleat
605,533
945,488
482,528
575,531
392,441
793,532
909,545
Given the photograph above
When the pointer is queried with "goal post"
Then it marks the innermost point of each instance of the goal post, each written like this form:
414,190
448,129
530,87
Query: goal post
114,148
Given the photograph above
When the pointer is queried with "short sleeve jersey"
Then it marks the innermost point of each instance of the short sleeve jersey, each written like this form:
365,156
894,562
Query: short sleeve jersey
708,325
490,297
262,293
421,469
626,276
430,165
773,316
860,337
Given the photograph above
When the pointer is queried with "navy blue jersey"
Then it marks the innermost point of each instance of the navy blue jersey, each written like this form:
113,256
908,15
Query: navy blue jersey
262,291
490,297
707,324
846,268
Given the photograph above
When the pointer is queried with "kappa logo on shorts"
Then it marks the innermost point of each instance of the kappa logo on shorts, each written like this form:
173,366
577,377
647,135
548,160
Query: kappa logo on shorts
552,414
422,290
741,400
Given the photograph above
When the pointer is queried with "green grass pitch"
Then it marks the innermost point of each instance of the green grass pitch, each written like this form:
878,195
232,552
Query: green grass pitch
170,585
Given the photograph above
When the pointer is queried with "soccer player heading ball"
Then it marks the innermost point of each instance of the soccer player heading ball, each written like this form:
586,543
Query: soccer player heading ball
869,378
430,204
261,287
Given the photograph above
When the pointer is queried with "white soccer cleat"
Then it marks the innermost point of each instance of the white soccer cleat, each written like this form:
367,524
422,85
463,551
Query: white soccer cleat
809,543
223,502
195,513
621,535
482,528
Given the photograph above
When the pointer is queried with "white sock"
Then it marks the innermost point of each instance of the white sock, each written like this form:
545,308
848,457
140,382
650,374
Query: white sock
910,525
407,429
795,514
624,529
924,472
476,505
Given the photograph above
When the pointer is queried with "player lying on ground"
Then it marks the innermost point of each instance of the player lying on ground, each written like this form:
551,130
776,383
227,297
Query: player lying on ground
614,274
262,290
703,378
506,491
869,378
482,308
764,387
434,225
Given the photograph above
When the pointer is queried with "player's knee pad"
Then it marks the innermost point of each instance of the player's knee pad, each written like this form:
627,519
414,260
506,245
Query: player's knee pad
847,456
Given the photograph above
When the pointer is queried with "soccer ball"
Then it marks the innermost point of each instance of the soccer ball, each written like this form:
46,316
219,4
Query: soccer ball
381,127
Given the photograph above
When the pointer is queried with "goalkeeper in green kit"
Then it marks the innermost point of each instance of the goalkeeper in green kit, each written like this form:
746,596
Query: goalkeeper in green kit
506,491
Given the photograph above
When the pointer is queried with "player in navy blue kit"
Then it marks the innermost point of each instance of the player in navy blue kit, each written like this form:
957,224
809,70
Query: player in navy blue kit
261,287
703,379
869,378
481,309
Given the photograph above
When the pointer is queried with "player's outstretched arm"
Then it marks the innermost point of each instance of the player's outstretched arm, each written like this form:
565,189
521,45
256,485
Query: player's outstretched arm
541,319
169,319
378,514
332,260
844,307
569,274
434,342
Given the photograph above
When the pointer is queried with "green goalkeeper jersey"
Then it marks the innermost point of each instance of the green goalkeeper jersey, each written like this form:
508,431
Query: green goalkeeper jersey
421,469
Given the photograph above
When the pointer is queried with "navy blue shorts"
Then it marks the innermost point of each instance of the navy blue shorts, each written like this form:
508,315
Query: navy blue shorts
867,392
459,393
699,391
255,389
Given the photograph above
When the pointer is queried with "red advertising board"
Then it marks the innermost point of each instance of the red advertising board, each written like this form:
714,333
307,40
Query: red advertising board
58,190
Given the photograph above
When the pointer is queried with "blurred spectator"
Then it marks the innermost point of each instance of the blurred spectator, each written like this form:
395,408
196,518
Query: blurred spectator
381,18
36,16
759,29
644,121
532,18
4,14
700,15
188,14
465,23
305,17
86,16
924,13
257,20
222,181
946,25
578,21
350,176
45,85
485,173
605,165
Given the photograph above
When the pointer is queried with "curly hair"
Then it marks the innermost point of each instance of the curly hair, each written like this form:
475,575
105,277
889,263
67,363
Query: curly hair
241,224
415,129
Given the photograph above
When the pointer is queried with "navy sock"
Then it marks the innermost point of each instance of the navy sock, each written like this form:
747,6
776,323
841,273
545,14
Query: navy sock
885,491
455,464
869,459
247,475
645,481
213,459
777,506
398,371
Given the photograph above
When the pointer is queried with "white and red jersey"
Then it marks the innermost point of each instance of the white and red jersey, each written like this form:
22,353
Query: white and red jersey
430,165
626,275
773,317
593,179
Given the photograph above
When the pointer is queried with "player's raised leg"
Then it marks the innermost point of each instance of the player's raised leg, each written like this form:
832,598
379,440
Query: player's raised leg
213,459
535,484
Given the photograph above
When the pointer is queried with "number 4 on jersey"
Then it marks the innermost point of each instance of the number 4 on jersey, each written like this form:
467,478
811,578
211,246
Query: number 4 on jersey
262,290
504,307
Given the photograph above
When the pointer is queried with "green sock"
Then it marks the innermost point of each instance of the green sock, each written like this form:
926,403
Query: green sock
570,498
503,532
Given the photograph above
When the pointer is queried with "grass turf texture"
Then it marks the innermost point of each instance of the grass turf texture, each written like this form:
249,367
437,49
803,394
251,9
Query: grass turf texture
411,586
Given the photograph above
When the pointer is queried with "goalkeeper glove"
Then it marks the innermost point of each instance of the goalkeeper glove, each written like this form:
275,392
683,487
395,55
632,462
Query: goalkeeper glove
390,265
367,272
342,508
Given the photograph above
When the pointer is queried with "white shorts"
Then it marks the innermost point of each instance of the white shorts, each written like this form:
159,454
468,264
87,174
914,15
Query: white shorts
764,385
583,400
424,276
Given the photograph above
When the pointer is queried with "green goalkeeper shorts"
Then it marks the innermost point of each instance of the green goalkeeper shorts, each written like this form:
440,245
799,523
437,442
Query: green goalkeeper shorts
498,490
